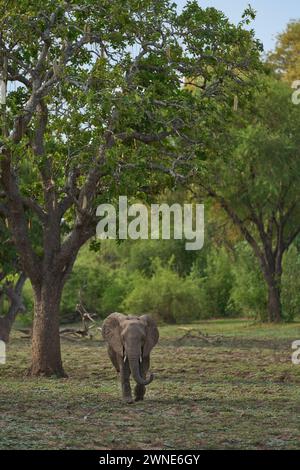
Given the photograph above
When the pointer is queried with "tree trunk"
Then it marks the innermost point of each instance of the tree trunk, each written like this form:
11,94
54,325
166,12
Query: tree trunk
46,353
14,294
271,267
273,274
274,302
4,330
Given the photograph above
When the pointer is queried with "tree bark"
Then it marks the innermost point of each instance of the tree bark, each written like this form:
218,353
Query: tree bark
46,352
272,271
274,300
271,267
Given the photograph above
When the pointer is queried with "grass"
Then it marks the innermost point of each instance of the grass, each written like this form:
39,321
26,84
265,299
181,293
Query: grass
238,392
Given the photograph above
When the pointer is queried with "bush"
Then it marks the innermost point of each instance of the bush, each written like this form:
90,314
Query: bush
290,290
118,286
215,285
140,254
89,280
249,292
165,295
129,277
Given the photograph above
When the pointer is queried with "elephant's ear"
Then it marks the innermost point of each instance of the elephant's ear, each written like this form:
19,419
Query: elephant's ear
151,336
111,332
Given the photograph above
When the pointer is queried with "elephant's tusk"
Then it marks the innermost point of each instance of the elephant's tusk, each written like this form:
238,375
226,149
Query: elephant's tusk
141,359
125,357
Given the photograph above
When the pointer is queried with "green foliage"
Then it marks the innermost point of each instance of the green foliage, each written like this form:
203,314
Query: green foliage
259,169
285,58
120,283
249,292
248,295
25,319
140,255
252,170
86,284
130,278
127,57
96,105
290,284
261,161
165,295
215,284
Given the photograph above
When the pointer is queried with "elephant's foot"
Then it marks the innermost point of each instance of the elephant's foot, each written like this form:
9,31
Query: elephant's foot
139,398
139,392
128,400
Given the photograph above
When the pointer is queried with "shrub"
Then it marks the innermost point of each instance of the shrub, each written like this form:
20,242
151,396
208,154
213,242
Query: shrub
89,279
140,255
290,288
249,293
215,285
165,295
118,286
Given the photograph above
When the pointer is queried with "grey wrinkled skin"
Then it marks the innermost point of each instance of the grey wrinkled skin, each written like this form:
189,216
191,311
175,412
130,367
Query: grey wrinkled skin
130,340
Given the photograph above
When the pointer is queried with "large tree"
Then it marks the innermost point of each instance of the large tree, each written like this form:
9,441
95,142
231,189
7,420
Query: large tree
95,106
253,172
285,58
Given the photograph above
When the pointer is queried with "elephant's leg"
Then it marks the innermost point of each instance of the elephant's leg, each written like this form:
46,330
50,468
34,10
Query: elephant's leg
113,357
125,382
140,390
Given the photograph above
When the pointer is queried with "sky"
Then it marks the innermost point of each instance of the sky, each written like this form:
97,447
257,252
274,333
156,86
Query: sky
272,15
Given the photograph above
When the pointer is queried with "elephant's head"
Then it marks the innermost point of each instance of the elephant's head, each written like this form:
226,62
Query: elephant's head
132,338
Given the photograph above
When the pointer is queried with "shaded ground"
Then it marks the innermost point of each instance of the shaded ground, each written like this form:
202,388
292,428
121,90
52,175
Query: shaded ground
239,391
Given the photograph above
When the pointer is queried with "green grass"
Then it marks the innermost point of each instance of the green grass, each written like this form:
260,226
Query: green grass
239,392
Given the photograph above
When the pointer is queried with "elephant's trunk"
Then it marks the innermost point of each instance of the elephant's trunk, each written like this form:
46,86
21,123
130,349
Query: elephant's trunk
135,370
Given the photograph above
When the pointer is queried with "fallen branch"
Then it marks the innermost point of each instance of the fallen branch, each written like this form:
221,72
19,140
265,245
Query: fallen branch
197,334
86,319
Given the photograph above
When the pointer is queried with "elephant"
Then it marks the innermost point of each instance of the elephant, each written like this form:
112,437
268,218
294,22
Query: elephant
130,340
